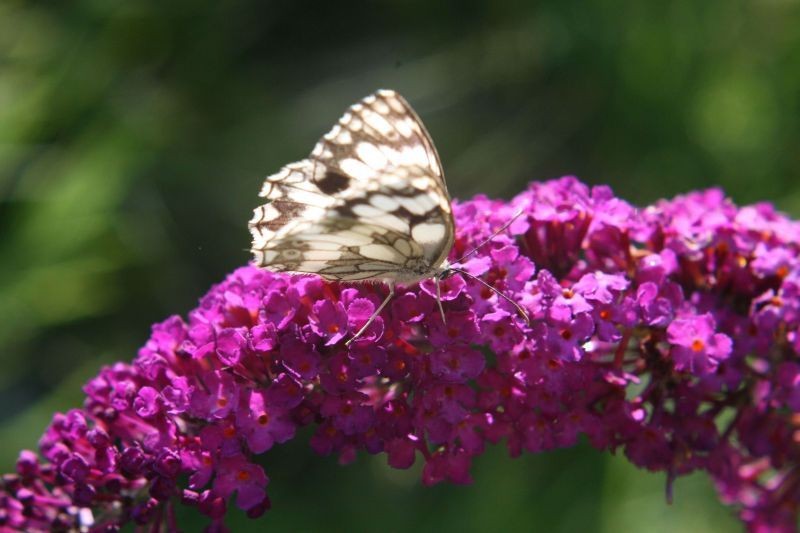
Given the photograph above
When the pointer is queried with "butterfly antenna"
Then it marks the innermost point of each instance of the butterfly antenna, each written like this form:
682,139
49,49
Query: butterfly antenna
490,237
518,307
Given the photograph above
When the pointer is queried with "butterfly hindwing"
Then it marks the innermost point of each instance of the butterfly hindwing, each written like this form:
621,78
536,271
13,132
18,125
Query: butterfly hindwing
343,249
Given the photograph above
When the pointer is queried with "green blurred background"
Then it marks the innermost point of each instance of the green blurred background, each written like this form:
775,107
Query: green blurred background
134,137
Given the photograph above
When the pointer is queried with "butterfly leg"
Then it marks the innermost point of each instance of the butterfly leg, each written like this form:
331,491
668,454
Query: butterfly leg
374,315
439,298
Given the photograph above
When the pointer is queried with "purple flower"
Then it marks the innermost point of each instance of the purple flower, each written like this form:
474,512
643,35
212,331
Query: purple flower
217,396
400,453
658,304
248,480
457,364
776,261
284,392
461,327
299,358
366,360
329,321
450,288
445,466
147,402
511,267
263,338
670,332
501,329
411,308
278,309
565,338
348,413
231,345
263,424
696,346
176,395
359,311
600,287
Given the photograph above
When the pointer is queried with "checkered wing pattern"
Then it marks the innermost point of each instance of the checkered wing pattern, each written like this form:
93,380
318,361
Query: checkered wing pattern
369,203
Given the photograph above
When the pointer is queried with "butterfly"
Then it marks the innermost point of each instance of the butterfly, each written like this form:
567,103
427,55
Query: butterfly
369,204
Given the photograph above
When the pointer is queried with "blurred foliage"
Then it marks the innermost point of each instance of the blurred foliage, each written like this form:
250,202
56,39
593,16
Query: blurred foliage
134,136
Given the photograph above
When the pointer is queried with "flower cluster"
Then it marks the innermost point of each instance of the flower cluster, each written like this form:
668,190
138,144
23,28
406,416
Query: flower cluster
670,333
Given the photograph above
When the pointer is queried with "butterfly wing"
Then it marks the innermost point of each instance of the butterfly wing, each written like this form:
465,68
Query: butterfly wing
343,249
370,201
381,131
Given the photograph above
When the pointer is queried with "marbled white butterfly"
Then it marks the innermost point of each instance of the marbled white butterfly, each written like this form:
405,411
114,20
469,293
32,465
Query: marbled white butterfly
369,204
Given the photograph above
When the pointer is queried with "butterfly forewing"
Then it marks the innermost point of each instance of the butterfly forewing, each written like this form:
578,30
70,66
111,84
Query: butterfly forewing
381,131
370,202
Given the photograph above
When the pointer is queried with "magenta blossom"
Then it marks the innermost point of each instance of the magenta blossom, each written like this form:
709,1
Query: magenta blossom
696,345
669,333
